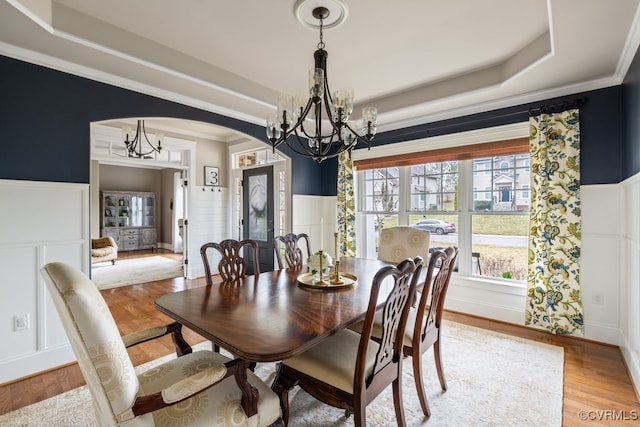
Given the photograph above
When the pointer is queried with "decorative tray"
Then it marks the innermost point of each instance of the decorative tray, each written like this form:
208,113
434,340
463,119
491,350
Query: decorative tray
347,281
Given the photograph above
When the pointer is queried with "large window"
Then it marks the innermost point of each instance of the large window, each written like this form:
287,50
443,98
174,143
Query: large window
485,214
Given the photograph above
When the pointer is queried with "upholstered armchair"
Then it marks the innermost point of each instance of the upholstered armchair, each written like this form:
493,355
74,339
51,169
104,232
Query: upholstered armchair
198,388
398,243
104,249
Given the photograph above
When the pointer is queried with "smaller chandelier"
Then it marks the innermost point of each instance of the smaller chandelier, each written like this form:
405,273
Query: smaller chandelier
134,144
294,112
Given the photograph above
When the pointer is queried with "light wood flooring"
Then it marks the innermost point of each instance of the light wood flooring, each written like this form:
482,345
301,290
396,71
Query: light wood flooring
595,375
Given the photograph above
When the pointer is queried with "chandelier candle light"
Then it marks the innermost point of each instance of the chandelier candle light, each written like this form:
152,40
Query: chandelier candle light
294,112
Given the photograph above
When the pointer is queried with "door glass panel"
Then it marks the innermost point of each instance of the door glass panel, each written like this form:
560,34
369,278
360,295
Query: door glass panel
258,207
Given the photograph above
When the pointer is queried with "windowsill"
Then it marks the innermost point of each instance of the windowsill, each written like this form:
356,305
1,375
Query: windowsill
492,284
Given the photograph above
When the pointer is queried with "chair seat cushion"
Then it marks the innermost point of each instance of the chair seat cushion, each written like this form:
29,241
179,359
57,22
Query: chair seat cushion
334,359
219,406
102,252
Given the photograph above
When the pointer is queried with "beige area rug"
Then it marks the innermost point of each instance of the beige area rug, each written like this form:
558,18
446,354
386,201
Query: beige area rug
134,271
493,379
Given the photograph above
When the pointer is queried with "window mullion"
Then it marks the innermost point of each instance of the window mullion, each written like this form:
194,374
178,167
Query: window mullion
465,206
404,197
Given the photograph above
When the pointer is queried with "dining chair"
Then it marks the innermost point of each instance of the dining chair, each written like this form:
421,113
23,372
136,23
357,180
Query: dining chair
292,252
398,243
424,322
196,388
232,265
348,370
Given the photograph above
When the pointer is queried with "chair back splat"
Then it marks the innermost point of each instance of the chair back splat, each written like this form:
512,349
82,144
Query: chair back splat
232,265
292,253
348,370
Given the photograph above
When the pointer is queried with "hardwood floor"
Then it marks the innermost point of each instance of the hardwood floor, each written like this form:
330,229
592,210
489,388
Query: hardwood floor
595,375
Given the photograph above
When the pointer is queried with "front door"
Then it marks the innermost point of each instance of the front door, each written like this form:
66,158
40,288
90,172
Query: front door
257,212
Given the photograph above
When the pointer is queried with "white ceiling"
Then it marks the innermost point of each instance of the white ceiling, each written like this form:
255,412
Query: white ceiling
415,60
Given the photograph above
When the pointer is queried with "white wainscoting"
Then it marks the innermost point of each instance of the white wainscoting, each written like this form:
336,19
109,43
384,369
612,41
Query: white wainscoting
40,222
316,216
209,214
629,307
599,277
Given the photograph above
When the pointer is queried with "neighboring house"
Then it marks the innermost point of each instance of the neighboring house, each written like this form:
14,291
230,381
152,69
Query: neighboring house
504,181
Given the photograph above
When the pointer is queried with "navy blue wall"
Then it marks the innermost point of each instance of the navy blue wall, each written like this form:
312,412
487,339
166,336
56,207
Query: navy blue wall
45,116
600,130
631,109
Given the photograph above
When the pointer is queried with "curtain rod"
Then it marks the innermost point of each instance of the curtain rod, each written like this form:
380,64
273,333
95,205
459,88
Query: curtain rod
483,117
558,107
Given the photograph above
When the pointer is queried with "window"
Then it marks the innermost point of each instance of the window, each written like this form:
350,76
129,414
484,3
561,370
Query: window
486,214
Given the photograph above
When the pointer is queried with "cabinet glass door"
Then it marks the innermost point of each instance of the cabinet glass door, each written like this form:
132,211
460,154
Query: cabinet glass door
124,211
148,208
136,211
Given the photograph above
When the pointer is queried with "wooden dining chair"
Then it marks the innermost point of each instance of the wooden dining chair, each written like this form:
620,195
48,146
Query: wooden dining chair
401,242
424,320
348,370
232,265
197,388
292,252
425,323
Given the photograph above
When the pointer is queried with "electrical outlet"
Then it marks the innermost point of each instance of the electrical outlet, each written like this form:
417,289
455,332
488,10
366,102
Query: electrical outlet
20,323
597,298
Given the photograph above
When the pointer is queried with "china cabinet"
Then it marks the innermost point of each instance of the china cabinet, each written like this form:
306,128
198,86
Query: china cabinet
129,217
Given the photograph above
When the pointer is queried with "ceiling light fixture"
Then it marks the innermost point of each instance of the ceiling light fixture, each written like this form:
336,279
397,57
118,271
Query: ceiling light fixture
295,111
134,145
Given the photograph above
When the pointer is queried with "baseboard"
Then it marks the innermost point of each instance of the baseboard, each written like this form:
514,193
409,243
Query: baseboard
632,363
515,315
34,363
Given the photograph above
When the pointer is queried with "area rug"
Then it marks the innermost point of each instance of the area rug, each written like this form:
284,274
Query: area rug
493,380
134,271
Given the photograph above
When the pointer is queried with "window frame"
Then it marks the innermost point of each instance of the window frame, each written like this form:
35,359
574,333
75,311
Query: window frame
505,136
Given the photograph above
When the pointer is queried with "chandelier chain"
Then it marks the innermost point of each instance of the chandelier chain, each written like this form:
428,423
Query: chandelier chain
321,43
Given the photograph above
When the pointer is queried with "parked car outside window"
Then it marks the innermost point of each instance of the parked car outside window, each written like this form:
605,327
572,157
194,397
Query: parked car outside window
435,226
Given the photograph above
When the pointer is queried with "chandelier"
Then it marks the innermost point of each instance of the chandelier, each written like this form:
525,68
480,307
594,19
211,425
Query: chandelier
296,113
134,144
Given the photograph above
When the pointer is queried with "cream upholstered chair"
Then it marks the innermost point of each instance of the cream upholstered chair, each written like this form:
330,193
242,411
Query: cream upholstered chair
104,249
425,321
201,388
292,252
398,243
348,370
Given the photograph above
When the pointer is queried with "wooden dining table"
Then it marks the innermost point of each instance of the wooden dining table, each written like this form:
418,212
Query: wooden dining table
270,317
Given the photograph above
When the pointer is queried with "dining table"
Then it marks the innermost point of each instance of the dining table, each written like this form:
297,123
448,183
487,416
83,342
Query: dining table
271,316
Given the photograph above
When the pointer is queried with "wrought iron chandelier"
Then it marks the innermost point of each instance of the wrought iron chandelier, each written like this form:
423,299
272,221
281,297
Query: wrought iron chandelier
294,112
134,144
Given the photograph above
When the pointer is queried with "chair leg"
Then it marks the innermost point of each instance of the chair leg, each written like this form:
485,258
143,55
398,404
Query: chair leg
113,262
360,414
397,402
419,379
438,359
281,386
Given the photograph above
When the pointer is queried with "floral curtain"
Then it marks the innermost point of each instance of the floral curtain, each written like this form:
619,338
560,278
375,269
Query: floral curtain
346,206
554,300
